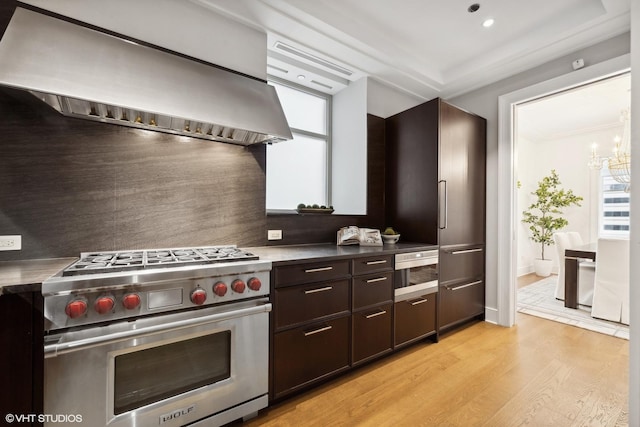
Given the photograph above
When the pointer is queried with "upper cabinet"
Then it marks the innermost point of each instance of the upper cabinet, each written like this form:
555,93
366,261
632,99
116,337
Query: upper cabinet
435,178
462,157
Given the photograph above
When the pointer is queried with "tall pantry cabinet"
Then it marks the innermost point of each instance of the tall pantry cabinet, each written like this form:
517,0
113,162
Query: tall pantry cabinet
435,193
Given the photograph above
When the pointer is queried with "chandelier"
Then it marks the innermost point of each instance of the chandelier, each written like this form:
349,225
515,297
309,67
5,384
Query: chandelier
619,164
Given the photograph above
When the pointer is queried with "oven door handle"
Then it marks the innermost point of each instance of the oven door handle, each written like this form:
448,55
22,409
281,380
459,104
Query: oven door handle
53,350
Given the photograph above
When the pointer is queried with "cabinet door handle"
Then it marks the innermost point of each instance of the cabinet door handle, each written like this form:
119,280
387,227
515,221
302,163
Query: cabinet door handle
442,204
477,282
377,279
418,301
313,291
466,251
379,313
317,331
382,261
316,270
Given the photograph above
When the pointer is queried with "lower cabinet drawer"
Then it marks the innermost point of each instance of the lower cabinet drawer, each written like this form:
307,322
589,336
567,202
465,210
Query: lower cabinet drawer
415,318
461,301
303,303
308,353
459,263
372,289
372,332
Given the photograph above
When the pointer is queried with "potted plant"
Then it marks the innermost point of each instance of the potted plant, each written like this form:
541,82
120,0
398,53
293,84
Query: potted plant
544,216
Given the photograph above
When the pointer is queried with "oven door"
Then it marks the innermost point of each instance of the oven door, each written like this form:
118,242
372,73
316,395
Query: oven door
415,276
168,370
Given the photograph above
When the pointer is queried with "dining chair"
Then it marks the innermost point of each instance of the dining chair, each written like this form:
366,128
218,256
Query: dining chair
611,288
586,269
575,239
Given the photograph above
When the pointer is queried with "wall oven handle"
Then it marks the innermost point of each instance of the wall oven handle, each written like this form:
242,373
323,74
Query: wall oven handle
382,261
442,204
52,350
313,291
466,251
316,270
377,279
317,331
466,285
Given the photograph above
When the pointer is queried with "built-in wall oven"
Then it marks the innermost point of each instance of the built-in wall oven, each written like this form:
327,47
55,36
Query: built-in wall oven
416,274
158,347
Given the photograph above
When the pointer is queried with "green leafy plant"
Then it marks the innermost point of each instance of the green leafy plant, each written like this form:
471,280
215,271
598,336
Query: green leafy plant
544,216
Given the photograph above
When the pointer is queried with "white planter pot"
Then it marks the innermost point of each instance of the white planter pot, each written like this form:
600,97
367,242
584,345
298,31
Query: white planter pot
542,267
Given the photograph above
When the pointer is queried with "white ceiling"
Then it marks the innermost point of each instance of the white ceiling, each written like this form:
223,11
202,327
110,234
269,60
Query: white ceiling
423,48
591,108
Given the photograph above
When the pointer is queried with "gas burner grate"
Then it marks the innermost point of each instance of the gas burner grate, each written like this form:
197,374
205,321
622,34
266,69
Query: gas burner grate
109,262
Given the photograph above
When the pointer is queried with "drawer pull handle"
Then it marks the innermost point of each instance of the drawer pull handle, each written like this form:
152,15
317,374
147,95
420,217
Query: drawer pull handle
317,331
466,251
419,301
313,291
477,282
380,313
316,270
377,279
382,261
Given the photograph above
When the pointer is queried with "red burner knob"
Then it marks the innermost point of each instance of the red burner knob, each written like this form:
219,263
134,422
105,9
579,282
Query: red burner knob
254,284
76,308
198,296
220,289
104,304
131,301
238,286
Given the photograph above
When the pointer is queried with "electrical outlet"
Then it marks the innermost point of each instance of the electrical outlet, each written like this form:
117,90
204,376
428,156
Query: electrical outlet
274,235
10,243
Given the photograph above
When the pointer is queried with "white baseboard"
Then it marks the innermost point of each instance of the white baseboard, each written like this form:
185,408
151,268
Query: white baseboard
523,271
491,315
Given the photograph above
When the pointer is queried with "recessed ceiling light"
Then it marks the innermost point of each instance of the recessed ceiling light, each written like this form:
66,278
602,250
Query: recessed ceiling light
301,77
473,8
488,22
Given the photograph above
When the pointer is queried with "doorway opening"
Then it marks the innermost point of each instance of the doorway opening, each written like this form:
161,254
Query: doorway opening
508,209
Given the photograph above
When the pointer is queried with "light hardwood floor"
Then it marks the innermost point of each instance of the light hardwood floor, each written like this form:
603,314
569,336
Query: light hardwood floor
537,373
528,279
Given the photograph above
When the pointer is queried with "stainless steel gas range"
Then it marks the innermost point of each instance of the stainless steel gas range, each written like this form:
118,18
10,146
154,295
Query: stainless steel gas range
163,337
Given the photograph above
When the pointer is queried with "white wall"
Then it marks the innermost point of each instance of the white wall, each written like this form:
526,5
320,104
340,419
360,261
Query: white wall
349,150
181,26
634,353
484,102
569,156
384,101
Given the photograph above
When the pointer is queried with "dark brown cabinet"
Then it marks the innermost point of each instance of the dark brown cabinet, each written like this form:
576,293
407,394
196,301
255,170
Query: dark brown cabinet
310,353
328,316
372,332
311,321
21,341
415,318
372,318
435,191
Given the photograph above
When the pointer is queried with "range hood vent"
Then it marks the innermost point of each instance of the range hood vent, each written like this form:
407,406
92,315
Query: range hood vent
85,73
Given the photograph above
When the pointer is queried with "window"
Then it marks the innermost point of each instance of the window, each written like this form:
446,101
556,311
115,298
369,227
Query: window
614,207
298,170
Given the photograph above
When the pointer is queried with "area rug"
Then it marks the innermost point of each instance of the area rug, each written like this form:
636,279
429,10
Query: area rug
537,299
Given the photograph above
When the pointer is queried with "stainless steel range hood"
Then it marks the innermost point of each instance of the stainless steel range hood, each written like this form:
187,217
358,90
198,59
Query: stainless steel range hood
85,73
